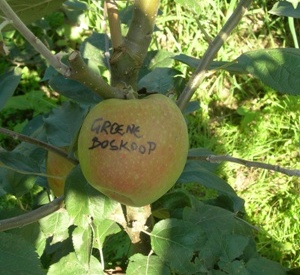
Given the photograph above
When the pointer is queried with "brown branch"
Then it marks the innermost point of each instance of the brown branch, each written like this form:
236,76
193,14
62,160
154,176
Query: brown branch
114,23
210,54
248,163
32,216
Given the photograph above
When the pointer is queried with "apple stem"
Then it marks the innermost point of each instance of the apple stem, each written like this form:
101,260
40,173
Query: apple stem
210,54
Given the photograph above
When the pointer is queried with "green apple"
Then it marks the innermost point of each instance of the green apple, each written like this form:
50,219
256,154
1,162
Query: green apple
133,151
58,168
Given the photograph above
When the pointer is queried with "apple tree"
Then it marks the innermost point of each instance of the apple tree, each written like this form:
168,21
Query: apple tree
100,167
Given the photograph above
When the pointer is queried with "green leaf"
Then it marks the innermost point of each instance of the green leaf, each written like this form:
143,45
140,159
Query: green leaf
103,229
93,49
69,265
150,265
233,247
63,123
83,202
177,241
82,242
161,80
56,225
286,8
195,172
15,183
9,81
156,59
192,5
277,68
73,89
262,266
193,62
32,234
31,10
18,256
234,267
19,162
212,218
33,100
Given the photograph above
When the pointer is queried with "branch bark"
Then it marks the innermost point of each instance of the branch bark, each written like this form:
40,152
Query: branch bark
210,54
248,163
128,58
32,216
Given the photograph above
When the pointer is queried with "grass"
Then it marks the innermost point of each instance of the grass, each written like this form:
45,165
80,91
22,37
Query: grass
238,116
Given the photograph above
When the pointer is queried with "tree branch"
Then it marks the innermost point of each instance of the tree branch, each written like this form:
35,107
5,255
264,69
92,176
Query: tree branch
248,163
210,53
128,58
83,74
37,142
114,23
32,216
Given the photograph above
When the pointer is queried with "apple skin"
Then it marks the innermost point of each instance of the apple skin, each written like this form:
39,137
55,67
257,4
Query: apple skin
133,151
59,167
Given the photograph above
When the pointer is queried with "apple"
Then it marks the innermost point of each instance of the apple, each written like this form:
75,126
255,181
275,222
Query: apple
134,150
59,168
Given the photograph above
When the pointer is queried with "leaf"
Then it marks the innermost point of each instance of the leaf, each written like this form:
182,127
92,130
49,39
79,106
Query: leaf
212,218
286,8
82,243
33,100
193,62
93,49
69,265
56,225
19,162
63,123
156,59
233,247
9,81
262,266
150,265
234,267
160,80
15,183
195,172
83,201
18,256
73,89
103,229
277,68
192,5
31,10
176,242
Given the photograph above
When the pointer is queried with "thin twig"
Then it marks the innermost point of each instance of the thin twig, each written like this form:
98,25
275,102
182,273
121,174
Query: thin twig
210,54
37,142
114,23
33,40
248,163
32,216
